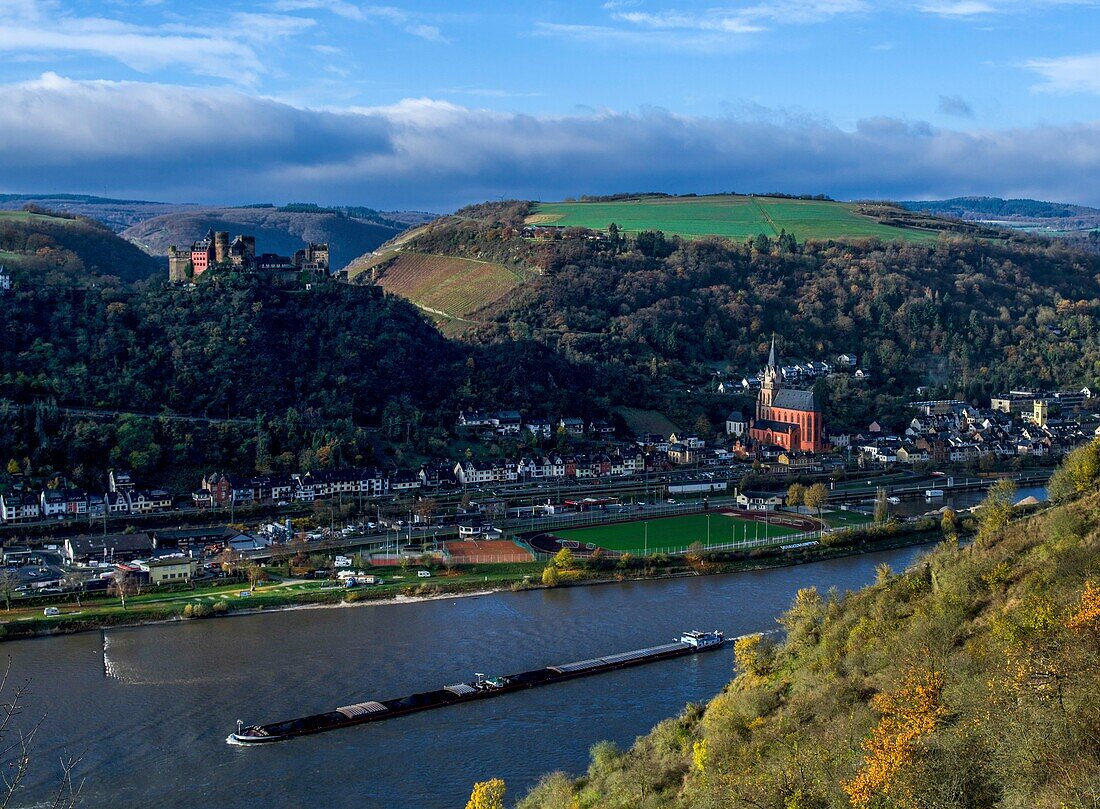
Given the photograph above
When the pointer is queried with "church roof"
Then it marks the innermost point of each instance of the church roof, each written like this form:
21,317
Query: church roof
774,426
790,399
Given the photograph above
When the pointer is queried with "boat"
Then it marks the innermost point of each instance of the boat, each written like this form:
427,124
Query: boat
483,686
931,493
894,501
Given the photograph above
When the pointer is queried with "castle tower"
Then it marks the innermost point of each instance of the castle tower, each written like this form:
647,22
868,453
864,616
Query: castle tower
221,247
179,265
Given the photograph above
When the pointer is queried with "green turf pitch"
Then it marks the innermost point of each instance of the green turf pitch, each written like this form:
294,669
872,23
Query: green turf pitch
735,217
673,533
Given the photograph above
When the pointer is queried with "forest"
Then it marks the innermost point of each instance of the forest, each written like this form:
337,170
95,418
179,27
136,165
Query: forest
276,376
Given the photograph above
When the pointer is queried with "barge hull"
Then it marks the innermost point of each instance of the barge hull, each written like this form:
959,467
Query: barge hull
377,711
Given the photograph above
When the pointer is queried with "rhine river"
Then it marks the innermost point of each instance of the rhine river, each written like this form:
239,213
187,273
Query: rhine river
149,708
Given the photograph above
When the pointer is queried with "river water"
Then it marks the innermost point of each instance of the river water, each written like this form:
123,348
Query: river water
149,708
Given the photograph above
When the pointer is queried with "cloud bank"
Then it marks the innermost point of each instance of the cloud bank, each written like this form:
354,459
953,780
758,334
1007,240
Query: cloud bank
214,145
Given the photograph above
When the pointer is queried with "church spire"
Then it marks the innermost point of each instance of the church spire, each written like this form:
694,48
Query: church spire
771,356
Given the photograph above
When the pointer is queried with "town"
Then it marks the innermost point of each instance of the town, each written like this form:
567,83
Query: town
429,512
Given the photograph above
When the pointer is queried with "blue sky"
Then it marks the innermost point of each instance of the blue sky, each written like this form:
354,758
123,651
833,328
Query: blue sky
434,104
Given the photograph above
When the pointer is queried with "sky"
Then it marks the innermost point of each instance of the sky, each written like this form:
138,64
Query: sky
431,105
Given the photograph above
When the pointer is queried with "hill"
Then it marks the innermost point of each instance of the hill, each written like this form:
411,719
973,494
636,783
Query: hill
985,208
966,681
277,230
739,217
43,244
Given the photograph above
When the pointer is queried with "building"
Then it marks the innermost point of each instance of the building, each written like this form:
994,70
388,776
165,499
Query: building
112,547
119,480
786,417
19,507
5,280
168,569
216,250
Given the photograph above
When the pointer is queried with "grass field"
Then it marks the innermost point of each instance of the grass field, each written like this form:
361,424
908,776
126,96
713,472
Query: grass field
446,286
673,533
735,217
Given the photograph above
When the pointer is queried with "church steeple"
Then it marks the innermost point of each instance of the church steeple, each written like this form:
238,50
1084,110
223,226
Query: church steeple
772,383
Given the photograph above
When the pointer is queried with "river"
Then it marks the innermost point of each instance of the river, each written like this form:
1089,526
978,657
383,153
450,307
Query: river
149,707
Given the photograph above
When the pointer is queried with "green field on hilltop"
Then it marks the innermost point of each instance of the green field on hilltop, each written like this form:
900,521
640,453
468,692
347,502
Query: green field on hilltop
735,217
673,533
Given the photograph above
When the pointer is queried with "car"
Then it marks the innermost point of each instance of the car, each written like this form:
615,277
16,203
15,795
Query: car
282,503
51,612
424,574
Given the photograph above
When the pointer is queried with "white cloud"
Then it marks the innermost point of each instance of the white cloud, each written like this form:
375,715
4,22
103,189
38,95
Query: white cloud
29,28
412,24
1068,74
224,146
958,8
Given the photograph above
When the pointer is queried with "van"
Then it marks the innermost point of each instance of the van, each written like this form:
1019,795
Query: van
424,574
51,612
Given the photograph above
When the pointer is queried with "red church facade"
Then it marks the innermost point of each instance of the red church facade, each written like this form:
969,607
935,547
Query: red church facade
786,417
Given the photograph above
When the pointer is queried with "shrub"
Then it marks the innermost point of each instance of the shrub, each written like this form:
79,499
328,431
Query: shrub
221,608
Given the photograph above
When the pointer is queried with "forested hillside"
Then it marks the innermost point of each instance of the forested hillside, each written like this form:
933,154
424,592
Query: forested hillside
69,248
279,377
966,317
968,681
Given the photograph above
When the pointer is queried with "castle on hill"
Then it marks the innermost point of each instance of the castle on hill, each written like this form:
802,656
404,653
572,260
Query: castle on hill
786,417
216,250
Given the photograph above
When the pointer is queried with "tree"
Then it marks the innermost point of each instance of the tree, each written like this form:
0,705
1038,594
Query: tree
550,576
255,574
563,559
13,467
487,795
815,498
17,744
995,512
882,506
123,583
75,582
754,654
796,495
949,523
8,583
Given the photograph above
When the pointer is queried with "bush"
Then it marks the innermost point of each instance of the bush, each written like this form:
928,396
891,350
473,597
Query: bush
221,608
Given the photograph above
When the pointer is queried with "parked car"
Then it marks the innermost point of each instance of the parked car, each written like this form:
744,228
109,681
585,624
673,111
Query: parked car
51,612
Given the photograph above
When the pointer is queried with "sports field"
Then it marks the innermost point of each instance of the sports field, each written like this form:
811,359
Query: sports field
676,533
735,217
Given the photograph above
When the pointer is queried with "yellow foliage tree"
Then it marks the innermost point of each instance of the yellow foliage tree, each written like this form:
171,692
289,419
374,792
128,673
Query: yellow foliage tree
1085,619
699,756
907,715
487,795
550,576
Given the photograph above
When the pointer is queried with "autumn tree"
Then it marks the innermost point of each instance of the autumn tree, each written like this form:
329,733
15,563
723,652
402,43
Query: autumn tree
796,495
815,498
907,716
996,510
949,523
487,795
550,576
563,559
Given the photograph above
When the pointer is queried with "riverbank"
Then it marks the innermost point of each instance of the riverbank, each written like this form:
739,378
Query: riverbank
228,601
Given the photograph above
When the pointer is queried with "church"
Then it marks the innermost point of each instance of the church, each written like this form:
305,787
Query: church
786,417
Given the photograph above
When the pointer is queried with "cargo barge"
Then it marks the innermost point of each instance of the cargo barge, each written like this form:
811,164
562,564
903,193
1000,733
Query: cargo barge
482,687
